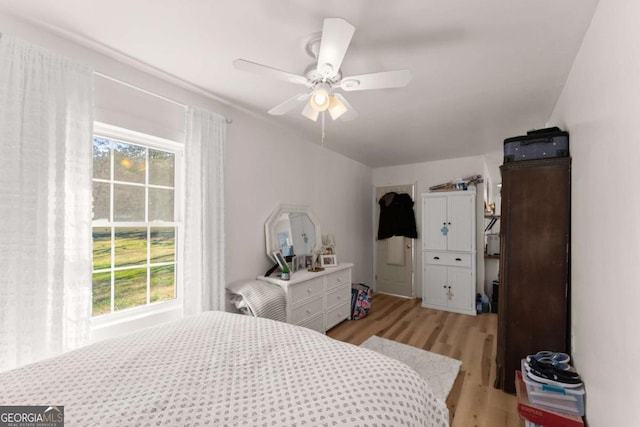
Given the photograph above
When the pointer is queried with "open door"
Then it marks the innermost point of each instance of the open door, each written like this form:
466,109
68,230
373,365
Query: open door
395,257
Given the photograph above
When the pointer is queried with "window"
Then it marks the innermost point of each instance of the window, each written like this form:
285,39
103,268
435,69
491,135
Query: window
136,220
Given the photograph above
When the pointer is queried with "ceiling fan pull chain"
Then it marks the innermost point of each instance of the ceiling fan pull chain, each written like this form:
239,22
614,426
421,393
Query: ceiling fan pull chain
323,135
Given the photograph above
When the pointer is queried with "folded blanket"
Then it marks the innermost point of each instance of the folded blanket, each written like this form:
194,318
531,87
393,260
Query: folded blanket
261,298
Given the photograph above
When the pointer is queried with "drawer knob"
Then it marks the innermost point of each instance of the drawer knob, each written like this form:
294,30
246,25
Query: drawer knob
339,297
308,311
308,290
458,259
436,257
339,279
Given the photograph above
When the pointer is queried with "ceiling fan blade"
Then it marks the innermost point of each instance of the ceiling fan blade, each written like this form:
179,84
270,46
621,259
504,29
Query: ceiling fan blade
382,80
336,36
289,104
253,67
351,113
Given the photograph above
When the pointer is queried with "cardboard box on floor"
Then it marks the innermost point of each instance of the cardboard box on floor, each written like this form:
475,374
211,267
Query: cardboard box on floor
545,417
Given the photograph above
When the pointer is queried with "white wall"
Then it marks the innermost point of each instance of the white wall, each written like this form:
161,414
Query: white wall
600,106
266,167
265,164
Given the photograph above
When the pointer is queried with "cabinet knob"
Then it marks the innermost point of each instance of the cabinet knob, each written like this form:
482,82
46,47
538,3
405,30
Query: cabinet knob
458,259
308,311
308,290
448,223
445,286
436,257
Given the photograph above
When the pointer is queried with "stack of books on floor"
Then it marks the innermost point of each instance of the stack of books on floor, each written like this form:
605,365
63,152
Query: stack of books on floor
550,391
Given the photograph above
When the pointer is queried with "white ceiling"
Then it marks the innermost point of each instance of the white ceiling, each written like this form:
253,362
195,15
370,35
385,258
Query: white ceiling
482,70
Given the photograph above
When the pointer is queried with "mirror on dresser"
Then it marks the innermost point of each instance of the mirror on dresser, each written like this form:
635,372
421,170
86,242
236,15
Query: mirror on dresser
292,229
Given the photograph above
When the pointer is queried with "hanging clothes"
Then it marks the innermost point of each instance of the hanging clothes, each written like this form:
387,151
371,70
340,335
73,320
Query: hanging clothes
396,216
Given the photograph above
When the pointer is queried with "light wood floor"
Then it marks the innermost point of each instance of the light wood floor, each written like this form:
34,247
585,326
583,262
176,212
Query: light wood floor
472,339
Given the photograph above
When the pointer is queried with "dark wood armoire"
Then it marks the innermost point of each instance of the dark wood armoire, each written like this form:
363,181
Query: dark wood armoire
533,313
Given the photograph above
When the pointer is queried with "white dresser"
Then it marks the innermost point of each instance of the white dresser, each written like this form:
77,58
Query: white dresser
318,301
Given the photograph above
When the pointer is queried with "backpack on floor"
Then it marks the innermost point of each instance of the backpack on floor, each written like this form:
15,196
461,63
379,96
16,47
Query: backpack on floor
360,300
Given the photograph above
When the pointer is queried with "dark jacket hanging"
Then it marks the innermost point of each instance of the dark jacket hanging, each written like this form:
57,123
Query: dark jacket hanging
396,216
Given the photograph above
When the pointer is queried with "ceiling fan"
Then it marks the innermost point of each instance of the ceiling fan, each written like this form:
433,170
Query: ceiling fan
324,78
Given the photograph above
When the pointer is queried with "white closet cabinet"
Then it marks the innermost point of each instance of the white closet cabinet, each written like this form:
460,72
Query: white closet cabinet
449,251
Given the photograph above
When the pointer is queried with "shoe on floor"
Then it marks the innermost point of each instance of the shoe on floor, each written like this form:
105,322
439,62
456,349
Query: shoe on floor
550,367
558,357
548,374
551,362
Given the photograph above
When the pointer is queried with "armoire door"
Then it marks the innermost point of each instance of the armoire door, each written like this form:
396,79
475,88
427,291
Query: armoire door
534,262
437,282
448,222
434,213
460,221
460,286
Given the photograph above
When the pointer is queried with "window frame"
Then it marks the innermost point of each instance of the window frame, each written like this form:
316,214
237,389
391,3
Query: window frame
159,311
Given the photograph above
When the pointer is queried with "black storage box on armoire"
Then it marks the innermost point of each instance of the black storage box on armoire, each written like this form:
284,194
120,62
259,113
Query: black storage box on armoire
537,144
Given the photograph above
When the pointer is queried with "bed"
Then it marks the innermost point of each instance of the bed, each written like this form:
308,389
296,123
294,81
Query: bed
222,369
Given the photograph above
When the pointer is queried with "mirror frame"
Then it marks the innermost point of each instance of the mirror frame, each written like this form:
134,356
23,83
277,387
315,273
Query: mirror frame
271,240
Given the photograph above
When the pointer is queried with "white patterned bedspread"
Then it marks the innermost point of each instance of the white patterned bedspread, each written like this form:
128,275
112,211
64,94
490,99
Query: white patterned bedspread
219,369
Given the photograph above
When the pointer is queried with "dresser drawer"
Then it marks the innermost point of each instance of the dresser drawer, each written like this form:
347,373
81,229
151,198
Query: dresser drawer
317,324
338,278
337,315
338,296
448,258
309,289
306,310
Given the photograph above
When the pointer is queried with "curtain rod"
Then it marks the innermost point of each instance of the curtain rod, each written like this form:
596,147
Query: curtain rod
164,98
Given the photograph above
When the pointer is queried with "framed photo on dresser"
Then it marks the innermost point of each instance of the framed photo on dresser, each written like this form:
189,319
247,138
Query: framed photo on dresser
327,260
297,263
282,263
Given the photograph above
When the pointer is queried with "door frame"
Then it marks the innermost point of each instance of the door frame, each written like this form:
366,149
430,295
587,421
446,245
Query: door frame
374,211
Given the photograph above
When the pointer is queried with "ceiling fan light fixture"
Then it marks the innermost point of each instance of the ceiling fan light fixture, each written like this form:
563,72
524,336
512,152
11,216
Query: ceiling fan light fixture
309,112
320,99
336,107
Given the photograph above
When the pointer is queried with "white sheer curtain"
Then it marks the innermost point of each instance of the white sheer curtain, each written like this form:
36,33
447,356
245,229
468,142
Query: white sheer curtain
46,109
204,286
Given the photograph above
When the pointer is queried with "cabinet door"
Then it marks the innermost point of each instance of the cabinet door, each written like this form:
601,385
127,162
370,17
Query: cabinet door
534,263
435,286
461,291
460,222
434,218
